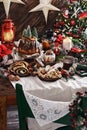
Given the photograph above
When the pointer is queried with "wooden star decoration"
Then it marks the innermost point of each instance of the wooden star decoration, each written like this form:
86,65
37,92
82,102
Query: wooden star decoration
7,4
45,6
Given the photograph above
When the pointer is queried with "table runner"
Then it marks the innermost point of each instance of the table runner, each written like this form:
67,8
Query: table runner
46,111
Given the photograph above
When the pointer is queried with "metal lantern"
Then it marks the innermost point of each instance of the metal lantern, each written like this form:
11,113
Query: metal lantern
8,31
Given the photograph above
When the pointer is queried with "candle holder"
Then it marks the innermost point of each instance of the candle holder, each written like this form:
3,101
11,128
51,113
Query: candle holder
8,33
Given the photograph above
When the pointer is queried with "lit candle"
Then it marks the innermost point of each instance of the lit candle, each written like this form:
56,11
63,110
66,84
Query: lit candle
8,36
67,43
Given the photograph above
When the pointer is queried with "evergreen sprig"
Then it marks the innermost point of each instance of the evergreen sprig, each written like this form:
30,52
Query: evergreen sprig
77,113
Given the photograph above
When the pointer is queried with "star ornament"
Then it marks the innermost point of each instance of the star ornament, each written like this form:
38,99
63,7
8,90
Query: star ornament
7,4
45,6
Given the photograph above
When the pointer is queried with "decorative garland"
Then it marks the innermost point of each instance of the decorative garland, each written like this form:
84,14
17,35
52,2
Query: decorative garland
78,115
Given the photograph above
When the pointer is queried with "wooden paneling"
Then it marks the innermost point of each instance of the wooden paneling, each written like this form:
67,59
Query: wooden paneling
2,113
6,87
7,99
11,100
19,13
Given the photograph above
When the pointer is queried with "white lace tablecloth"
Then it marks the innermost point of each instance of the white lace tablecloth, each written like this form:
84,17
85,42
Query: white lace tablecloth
60,90
44,99
46,111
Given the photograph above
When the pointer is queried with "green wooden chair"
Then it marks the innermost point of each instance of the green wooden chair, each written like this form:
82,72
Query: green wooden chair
24,111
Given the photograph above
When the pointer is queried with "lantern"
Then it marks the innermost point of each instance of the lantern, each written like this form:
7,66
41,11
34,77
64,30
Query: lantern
8,32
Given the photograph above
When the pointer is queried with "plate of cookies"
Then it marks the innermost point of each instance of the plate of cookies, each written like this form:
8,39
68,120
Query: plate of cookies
49,73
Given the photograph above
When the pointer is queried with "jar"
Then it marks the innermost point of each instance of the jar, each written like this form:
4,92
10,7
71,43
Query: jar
68,62
49,57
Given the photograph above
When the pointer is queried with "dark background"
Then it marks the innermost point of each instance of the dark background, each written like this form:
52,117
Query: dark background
21,17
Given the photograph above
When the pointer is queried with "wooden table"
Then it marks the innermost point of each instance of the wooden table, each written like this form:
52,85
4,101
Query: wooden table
7,98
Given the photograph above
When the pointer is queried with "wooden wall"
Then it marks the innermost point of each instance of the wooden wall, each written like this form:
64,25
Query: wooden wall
19,13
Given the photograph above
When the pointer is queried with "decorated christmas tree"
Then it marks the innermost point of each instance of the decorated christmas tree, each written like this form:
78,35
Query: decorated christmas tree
72,20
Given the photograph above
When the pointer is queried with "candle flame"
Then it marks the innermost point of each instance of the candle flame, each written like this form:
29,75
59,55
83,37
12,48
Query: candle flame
8,36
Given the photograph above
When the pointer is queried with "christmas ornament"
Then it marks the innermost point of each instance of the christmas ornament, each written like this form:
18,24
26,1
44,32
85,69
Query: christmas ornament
73,1
45,44
82,15
45,6
7,4
56,50
59,39
72,22
66,13
61,23
77,50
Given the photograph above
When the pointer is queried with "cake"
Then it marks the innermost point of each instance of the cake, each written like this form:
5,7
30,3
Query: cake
19,68
28,46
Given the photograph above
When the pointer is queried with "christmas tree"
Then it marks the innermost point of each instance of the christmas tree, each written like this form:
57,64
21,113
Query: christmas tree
27,32
30,33
72,20
34,32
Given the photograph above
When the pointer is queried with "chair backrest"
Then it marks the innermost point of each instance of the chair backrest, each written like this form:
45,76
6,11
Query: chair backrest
24,111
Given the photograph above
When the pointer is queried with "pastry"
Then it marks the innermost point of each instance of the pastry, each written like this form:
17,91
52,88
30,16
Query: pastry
28,46
49,74
17,78
19,68
13,77
21,71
